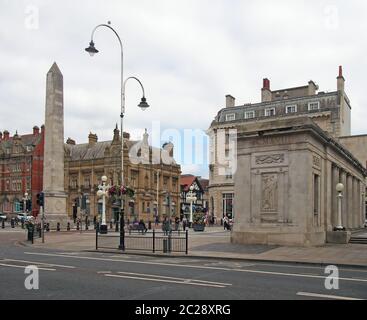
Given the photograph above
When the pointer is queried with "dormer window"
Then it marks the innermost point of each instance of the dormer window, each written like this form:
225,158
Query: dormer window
250,114
269,112
313,106
230,117
291,109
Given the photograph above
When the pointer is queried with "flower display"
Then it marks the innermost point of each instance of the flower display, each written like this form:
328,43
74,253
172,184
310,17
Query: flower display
118,191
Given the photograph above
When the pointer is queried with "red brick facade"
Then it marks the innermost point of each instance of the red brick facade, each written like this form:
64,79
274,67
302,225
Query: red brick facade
21,169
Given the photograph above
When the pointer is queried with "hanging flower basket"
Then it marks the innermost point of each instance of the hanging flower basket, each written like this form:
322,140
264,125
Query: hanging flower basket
116,192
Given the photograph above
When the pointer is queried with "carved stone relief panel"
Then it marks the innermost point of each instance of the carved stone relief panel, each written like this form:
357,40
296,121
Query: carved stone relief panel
269,192
270,159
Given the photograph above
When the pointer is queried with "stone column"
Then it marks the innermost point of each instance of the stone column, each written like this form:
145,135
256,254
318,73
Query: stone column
327,195
335,181
343,180
362,215
53,171
349,199
356,203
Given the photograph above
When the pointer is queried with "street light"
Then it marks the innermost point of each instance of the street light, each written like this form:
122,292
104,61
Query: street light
191,197
143,105
25,200
102,192
339,189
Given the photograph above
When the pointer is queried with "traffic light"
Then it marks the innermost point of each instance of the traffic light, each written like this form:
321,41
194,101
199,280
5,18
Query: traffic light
40,199
21,206
29,205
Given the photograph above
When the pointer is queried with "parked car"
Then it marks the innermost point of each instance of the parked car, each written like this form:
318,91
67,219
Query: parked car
23,217
2,216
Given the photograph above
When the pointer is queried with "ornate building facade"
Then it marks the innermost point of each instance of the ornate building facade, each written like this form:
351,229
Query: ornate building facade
153,181
21,169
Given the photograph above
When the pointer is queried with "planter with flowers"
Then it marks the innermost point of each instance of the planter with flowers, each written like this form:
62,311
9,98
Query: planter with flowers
198,221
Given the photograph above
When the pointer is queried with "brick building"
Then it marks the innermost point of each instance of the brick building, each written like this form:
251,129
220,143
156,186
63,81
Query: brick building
21,169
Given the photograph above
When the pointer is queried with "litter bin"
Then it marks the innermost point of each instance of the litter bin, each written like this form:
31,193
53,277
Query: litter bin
165,245
30,232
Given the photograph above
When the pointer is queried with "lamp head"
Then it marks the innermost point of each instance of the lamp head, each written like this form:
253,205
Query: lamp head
340,187
104,179
143,104
26,194
91,49
191,188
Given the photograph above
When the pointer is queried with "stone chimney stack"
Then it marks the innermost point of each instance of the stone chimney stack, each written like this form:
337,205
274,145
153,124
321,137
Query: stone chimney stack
92,139
36,131
265,91
70,141
230,101
312,88
6,135
340,80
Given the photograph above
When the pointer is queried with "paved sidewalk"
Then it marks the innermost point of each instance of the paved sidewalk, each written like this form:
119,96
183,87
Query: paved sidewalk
215,243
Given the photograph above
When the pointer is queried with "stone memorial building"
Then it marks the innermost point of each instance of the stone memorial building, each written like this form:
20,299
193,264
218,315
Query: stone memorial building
281,159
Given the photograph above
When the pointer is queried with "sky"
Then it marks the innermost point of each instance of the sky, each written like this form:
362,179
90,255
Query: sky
188,54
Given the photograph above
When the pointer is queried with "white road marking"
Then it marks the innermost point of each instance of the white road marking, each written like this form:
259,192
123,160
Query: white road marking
325,296
200,267
168,281
103,272
175,278
40,263
23,267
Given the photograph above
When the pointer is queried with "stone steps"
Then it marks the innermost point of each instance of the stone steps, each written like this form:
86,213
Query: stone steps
360,240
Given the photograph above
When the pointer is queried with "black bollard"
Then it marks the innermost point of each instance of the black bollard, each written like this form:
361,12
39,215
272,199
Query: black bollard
3,223
48,227
40,230
77,226
22,224
68,227
58,226
12,223
111,224
150,225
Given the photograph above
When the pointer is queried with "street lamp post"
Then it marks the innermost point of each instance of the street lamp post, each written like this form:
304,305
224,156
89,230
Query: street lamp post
102,192
143,103
25,200
157,212
191,197
339,189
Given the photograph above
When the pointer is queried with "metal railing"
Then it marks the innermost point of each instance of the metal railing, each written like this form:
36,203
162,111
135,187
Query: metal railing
152,241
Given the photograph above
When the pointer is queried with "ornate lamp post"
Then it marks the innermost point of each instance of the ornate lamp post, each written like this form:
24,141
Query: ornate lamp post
143,103
191,197
102,192
339,189
25,201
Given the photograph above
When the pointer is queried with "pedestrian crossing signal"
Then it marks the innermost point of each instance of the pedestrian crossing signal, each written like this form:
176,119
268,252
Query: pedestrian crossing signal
40,199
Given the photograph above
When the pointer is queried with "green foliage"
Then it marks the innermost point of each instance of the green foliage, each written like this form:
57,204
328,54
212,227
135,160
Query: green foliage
198,218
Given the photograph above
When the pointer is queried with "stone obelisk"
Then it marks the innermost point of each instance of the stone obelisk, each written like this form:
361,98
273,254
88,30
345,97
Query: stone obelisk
53,168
